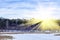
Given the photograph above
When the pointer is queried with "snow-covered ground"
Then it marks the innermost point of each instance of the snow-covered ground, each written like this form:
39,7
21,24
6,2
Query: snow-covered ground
34,36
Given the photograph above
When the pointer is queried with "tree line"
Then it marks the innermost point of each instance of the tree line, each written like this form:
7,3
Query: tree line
13,23
6,23
58,21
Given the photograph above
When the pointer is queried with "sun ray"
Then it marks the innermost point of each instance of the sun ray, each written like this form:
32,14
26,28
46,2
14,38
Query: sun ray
49,25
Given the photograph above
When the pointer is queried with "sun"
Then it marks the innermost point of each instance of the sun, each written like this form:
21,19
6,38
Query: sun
48,22
44,15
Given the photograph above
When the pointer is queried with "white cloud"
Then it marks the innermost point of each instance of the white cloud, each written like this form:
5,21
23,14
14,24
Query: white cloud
28,10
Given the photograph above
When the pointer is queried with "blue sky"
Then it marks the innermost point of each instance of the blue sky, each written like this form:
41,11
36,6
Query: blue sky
30,9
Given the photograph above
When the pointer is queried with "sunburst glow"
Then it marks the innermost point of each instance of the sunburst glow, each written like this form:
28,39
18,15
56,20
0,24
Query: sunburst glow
49,25
45,14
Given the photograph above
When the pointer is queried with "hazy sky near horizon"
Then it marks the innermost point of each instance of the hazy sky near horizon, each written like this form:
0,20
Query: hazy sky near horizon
30,9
